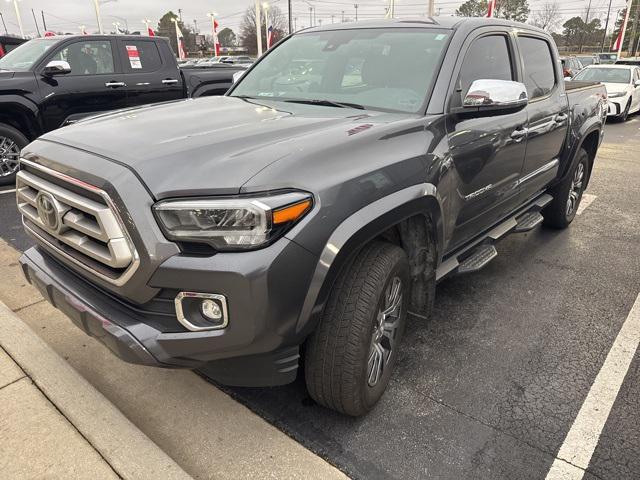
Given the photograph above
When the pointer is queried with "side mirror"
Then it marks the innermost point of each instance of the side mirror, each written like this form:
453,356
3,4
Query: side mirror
486,95
56,67
238,75
636,83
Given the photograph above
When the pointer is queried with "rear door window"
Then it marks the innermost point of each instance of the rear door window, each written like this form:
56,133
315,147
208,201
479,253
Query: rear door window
140,56
539,73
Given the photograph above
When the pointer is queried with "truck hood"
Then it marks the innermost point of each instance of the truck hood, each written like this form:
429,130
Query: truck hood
616,88
213,145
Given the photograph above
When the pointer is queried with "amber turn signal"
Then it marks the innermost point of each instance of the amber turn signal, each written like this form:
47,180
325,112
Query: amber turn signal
292,212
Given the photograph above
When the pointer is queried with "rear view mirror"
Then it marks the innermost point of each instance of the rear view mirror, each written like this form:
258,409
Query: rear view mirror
495,95
56,67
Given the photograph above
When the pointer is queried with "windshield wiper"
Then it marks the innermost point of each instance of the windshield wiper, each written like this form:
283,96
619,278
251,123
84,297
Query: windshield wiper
327,103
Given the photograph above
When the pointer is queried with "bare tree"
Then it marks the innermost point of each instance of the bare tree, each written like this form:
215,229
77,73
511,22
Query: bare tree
247,37
548,17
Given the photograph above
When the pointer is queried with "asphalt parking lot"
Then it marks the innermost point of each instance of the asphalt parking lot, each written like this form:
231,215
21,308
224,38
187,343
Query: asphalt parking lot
491,386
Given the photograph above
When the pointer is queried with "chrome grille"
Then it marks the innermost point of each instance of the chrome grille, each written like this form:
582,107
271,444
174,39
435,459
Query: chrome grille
65,218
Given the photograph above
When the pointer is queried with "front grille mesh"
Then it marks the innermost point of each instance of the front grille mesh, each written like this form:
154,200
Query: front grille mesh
86,229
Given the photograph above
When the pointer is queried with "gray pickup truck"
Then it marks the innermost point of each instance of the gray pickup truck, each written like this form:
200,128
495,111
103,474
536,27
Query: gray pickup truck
306,213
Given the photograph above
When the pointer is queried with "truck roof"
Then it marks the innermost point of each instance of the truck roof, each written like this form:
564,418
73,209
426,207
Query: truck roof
61,38
444,22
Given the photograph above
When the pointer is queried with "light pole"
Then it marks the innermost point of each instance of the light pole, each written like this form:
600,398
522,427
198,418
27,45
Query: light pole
147,22
96,4
4,24
15,5
216,48
258,29
265,7
356,7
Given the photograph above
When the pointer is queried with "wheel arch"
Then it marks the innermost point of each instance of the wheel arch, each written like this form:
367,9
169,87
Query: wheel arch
20,115
410,218
588,138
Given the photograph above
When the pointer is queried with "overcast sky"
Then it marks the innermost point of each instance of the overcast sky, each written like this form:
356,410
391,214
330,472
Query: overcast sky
69,15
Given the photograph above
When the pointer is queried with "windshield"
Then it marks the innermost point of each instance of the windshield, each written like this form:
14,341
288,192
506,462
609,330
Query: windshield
22,58
386,69
587,60
605,75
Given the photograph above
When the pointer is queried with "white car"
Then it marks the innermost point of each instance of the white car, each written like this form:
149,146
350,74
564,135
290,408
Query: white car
622,83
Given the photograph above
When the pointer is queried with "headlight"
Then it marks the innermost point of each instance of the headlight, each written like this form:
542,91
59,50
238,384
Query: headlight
617,94
242,223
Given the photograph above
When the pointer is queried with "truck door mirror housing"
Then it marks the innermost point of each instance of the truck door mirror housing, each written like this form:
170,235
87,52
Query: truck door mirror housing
495,95
56,67
636,83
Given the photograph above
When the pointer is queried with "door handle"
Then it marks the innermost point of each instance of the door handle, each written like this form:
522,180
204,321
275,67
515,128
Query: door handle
115,84
169,81
519,134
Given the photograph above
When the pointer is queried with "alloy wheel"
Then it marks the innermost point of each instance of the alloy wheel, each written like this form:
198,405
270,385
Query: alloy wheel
9,157
385,332
576,189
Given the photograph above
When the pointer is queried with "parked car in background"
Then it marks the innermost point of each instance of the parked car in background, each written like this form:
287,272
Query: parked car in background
586,60
309,217
607,58
47,83
239,59
629,61
623,87
9,43
570,66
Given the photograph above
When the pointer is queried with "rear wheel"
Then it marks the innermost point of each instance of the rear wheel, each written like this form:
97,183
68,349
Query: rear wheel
11,142
350,356
567,195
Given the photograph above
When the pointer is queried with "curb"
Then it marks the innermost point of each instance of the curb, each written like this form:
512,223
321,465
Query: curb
130,453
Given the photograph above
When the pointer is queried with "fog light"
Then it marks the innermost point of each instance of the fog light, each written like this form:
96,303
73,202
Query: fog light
201,311
211,310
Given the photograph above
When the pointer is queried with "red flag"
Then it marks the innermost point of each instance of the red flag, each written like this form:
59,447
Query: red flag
216,43
617,47
150,32
491,8
1,51
182,53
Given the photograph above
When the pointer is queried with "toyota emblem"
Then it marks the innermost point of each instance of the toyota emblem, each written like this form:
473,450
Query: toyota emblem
47,211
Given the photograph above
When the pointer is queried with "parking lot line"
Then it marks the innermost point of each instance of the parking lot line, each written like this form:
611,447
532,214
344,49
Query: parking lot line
587,199
2,192
582,439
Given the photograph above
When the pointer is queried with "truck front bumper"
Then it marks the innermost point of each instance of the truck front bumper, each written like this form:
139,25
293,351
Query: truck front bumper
259,346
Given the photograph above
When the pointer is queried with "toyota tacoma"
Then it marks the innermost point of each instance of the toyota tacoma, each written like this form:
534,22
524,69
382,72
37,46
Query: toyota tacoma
295,222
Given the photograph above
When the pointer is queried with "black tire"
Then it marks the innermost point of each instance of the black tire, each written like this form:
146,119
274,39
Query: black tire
559,213
625,114
338,353
8,169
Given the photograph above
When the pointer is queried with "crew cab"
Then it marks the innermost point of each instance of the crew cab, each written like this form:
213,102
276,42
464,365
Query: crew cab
312,208
50,82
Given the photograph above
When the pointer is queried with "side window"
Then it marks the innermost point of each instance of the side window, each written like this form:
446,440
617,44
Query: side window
539,74
87,58
141,56
488,58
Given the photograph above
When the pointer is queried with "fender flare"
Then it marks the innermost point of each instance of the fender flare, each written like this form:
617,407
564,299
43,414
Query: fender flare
26,107
359,229
594,125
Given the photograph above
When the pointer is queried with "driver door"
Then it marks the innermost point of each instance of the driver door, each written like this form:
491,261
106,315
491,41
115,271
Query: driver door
487,150
94,85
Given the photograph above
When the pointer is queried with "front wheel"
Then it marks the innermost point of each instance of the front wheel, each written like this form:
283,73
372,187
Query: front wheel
625,114
350,356
567,195
11,142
